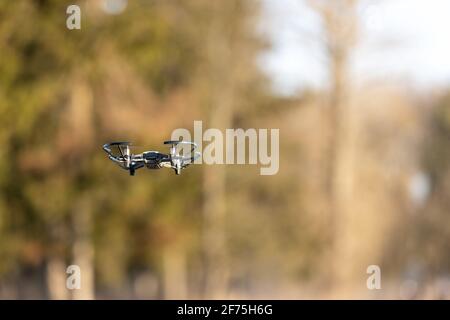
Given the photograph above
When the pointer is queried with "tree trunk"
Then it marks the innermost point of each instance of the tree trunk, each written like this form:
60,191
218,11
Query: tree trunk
340,29
83,251
56,278
220,102
341,171
214,211
174,273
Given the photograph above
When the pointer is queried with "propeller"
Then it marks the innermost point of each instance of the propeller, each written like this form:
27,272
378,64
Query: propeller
179,161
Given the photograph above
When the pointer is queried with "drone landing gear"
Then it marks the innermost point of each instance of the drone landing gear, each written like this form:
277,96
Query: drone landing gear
177,169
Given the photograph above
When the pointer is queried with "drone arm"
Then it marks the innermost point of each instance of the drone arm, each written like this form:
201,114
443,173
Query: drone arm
114,159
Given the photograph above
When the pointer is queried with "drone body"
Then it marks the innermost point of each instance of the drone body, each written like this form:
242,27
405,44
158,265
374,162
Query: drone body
151,159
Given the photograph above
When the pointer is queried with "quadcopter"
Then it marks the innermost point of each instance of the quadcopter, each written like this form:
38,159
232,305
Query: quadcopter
151,159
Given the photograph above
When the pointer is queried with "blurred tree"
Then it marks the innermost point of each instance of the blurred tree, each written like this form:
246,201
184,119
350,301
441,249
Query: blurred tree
431,233
340,26
63,94
226,75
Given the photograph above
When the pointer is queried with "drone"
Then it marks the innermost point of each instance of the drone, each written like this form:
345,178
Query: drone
123,157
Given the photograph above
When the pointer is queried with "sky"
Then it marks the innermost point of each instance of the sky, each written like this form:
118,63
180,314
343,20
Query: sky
402,40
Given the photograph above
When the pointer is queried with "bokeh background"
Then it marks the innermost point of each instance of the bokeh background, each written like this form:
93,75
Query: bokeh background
360,91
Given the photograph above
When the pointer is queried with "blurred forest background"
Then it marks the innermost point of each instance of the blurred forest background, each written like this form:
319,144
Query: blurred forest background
364,176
